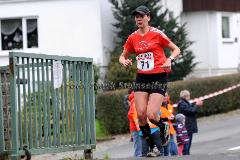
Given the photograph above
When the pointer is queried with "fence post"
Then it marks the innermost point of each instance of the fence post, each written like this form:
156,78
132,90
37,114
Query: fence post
14,121
88,154
92,106
2,145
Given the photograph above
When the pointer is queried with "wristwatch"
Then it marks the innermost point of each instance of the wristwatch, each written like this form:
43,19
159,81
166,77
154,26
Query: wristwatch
172,59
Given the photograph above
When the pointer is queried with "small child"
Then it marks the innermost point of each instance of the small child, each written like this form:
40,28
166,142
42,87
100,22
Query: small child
182,134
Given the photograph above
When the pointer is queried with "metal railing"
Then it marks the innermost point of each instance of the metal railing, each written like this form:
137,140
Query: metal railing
52,104
2,142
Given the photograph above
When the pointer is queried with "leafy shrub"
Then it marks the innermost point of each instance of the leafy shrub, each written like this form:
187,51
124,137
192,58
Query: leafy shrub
111,113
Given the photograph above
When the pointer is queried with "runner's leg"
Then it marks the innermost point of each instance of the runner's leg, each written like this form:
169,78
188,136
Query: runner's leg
141,101
153,114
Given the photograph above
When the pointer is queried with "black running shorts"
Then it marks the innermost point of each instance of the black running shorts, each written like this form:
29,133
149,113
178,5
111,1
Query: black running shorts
151,83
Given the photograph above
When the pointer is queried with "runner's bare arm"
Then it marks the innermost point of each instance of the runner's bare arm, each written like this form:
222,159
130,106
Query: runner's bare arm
175,52
123,59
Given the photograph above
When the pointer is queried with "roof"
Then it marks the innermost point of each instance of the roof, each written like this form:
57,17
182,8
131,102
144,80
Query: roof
211,5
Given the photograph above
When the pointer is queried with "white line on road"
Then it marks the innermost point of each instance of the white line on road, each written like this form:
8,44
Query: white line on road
235,148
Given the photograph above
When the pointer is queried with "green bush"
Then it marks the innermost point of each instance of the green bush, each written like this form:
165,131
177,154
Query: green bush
111,113
113,116
202,86
101,133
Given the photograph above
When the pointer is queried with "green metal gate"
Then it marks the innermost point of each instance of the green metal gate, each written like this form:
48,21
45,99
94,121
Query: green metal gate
52,104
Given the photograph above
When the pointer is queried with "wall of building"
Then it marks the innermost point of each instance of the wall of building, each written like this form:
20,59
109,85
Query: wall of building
202,29
108,35
175,6
65,27
215,55
212,5
229,52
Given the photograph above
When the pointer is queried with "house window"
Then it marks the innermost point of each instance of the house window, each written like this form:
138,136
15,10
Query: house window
32,33
225,27
13,33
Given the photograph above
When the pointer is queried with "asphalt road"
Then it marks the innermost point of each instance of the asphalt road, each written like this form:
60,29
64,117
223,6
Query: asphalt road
218,139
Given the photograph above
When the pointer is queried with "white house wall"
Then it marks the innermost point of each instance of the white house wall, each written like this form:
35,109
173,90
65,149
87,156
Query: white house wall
202,29
237,29
229,52
174,6
65,27
108,35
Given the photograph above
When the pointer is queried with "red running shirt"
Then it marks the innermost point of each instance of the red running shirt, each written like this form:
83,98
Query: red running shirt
149,51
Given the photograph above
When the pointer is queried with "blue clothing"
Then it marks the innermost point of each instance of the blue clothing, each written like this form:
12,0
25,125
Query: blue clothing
190,112
165,150
173,146
137,144
187,147
170,149
153,130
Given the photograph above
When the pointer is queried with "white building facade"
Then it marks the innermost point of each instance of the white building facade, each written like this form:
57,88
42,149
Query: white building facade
58,27
215,30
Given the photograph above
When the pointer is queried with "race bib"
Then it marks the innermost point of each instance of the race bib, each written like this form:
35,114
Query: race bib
145,61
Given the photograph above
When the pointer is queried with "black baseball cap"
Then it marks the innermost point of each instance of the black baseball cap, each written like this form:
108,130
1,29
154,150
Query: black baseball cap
143,10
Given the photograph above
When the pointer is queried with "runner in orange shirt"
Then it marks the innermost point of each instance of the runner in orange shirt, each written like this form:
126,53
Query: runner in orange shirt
148,44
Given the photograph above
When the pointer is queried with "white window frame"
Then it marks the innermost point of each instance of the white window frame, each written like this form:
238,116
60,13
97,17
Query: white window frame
24,31
230,39
1,35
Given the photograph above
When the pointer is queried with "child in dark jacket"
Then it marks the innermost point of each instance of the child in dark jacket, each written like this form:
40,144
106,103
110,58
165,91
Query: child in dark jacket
181,131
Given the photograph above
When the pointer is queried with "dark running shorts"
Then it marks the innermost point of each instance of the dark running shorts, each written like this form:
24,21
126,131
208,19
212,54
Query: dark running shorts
151,83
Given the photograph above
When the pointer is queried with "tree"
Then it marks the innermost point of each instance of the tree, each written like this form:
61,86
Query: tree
160,19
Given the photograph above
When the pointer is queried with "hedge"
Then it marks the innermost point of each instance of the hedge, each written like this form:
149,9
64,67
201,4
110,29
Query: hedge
112,114
202,86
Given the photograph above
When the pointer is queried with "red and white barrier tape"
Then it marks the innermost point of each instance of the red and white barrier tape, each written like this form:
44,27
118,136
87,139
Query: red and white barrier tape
212,94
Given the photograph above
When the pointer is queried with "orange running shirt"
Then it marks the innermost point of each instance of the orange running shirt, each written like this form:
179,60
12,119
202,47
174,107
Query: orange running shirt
149,51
